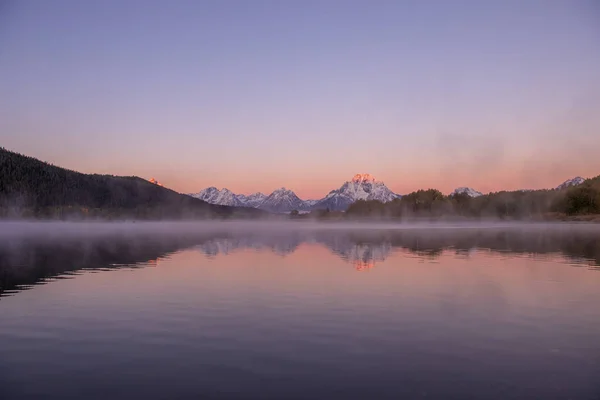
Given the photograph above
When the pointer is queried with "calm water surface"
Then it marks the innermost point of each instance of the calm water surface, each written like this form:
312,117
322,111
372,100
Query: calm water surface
253,313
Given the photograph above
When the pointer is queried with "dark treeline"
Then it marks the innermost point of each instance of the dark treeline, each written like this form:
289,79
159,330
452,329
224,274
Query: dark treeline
30,188
579,200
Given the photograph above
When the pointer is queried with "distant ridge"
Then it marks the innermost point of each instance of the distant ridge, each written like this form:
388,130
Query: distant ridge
30,188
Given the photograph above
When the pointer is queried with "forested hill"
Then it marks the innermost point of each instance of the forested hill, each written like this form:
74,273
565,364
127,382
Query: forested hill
33,188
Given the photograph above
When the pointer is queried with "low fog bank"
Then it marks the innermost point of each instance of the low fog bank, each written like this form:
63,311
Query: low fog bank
90,229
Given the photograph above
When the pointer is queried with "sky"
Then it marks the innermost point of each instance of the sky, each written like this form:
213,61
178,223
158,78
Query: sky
257,95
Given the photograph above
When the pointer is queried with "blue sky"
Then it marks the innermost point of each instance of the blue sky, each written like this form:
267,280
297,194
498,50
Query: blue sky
255,95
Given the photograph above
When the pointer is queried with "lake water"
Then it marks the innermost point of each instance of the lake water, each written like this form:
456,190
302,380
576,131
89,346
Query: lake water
299,312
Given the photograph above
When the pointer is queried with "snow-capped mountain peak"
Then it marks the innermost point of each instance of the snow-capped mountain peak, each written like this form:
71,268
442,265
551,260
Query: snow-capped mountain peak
206,194
361,187
466,190
571,182
283,200
224,197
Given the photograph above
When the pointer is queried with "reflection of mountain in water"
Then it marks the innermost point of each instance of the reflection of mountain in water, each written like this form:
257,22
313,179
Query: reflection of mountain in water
360,252
228,244
361,255
364,256
30,260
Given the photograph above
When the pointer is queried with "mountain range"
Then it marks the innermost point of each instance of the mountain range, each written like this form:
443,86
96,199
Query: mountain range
360,187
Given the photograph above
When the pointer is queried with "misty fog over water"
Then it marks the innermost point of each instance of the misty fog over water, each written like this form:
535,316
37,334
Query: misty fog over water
270,310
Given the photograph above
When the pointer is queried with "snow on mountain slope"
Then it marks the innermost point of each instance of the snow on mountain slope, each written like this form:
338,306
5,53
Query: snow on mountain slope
207,194
224,197
282,200
310,203
571,182
253,200
466,190
361,187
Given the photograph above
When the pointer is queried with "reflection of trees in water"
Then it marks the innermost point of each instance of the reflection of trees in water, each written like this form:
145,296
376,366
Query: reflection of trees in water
30,261
427,244
569,243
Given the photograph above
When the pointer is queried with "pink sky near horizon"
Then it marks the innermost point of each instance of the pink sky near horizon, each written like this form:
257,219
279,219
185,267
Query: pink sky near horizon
317,184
